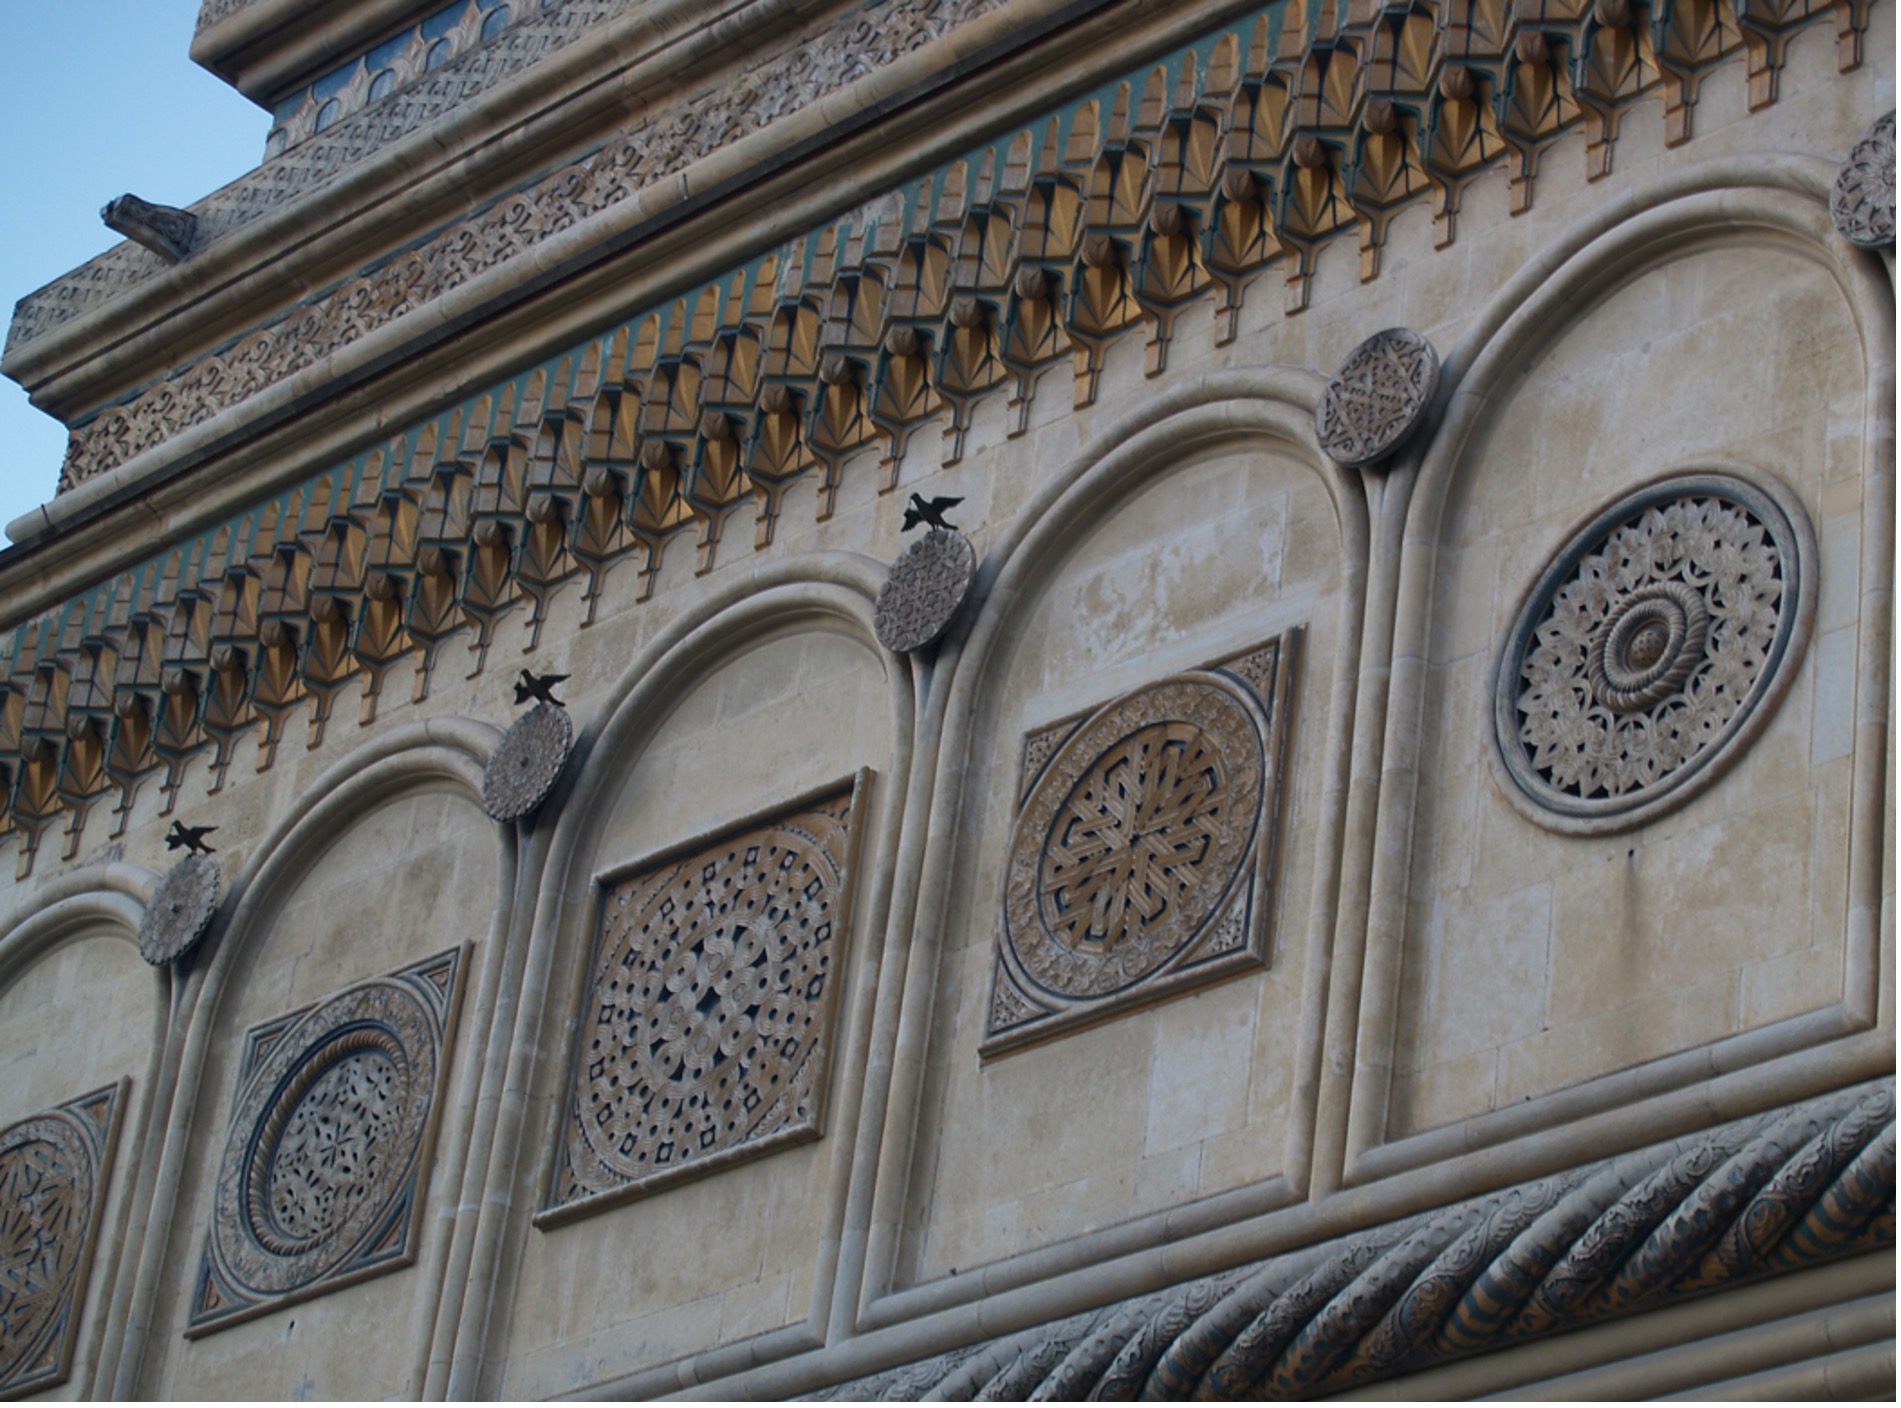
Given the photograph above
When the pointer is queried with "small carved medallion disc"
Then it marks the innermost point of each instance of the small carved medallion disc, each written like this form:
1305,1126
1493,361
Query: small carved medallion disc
1863,199
52,1181
1377,397
525,765
927,585
1655,638
180,911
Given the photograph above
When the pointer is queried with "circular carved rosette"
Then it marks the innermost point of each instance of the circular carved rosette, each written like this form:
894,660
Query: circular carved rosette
180,911
927,586
1863,199
1377,398
47,1189
325,1139
709,1006
1652,649
1135,836
527,763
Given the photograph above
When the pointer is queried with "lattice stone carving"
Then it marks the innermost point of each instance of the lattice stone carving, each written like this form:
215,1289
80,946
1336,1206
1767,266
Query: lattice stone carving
1652,649
707,1032
1863,199
320,1184
53,1170
180,911
927,585
1377,397
1141,857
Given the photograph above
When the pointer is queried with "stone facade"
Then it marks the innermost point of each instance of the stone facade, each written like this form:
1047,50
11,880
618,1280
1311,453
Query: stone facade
969,697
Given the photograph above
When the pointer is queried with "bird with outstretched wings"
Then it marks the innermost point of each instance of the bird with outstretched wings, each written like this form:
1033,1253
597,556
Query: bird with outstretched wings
929,511
192,838
538,687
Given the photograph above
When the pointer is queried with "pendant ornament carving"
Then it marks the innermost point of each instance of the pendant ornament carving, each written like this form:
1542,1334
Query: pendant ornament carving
1140,860
53,1169
1863,199
928,585
1377,398
180,911
707,1032
320,1183
1652,649
527,763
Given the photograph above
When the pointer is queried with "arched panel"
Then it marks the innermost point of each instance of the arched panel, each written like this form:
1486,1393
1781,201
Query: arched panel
724,866
1684,884
1194,573
335,1054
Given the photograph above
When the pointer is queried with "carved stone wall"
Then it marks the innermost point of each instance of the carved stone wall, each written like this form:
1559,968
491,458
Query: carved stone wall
706,1030
1143,849
53,1171
321,1178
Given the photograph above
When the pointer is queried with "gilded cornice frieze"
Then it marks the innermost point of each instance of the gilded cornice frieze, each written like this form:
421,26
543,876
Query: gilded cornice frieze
1329,134
1241,152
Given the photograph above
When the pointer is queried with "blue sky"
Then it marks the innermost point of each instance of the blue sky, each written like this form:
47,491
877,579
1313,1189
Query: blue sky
97,97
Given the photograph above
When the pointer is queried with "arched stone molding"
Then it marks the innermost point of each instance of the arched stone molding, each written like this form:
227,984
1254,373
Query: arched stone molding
1225,412
103,902
831,593
1780,203
436,755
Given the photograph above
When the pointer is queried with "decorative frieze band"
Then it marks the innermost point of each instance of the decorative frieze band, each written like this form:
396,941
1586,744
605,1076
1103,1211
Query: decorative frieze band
1190,188
1101,223
1797,1188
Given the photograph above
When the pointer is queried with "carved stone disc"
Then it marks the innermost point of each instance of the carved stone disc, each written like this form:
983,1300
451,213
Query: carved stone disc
1377,397
1863,199
1651,650
926,587
180,911
525,764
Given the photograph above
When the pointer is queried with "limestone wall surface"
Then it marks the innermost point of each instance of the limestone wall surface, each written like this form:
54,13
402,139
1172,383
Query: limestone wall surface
1190,971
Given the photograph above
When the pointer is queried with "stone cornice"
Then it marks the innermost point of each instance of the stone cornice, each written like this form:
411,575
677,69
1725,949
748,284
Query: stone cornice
303,219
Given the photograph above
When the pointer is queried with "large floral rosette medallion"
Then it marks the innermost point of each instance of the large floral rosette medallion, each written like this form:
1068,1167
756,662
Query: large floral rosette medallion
1652,650
320,1184
1862,200
1138,864
53,1170
707,1030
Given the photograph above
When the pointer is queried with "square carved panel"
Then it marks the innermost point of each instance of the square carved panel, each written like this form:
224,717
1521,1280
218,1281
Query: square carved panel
53,1169
1143,848
707,1031
327,1154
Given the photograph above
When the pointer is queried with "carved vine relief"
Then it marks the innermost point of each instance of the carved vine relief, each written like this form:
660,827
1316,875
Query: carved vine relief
707,1032
321,1179
1652,647
53,1169
1140,860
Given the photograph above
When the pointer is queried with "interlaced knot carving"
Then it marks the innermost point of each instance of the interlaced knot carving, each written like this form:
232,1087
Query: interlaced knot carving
1862,201
708,1026
1648,643
1139,846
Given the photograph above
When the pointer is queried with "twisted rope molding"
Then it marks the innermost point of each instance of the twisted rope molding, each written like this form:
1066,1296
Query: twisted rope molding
1766,1195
